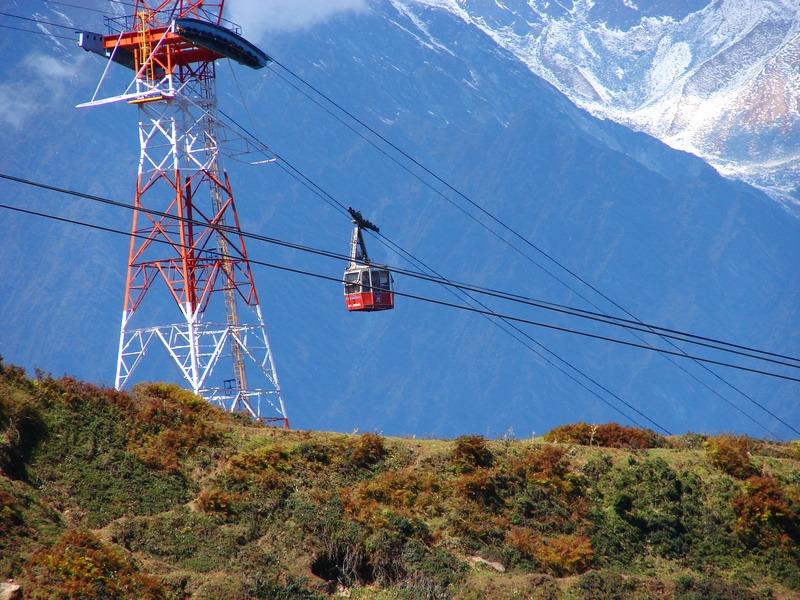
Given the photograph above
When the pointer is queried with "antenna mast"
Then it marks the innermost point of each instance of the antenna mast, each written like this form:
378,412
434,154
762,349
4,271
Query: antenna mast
186,242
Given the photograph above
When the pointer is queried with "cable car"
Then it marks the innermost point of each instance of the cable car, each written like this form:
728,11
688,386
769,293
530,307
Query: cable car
367,287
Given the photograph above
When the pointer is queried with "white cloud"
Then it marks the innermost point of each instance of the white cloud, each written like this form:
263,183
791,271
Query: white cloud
16,107
51,69
50,79
53,77
258,17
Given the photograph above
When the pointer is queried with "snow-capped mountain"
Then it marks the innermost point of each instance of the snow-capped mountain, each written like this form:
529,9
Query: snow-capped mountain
718,78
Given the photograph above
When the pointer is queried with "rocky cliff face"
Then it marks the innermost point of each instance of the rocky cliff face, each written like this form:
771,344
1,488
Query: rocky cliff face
718,79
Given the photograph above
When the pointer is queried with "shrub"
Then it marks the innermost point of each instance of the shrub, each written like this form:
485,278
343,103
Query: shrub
81,566
171,423
609,435
431,571
794,449
183,538
344,559
763,514
277,587
545,510
409,490
647,507
172,391
559,555
731,455
315,454
89,462
470,452
546,466
596,467
367,450
478,486
10,517
215,501
257,474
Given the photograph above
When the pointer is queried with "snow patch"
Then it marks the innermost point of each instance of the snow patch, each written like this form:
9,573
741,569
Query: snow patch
670,63
418,23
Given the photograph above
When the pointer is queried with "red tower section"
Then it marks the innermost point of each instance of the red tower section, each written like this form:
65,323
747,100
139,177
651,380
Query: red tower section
186,239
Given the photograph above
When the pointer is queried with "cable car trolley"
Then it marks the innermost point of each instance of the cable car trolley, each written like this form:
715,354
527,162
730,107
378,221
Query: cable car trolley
367,287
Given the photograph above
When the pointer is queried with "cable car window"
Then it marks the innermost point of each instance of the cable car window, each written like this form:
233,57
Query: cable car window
365,282
351,283
383,280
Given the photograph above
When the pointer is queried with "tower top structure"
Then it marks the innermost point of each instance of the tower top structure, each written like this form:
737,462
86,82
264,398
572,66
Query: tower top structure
160,37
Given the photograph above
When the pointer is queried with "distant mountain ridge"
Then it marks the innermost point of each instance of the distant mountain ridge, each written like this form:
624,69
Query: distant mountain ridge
718,79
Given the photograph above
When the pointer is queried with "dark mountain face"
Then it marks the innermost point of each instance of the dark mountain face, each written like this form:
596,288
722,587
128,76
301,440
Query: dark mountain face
655,230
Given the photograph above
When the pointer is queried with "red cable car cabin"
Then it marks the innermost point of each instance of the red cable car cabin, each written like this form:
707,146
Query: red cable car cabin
366,287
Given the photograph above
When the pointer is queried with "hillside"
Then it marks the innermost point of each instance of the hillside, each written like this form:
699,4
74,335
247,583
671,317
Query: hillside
155,494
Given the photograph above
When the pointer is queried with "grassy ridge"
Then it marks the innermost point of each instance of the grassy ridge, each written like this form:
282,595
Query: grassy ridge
155,494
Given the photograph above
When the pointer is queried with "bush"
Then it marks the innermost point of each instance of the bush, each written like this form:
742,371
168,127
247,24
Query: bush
731,455
648,500
9,511
185,539
470,452
431,571
81,566
596,467
277,587
367,450
478,486
559,555
172,391
170,424
215,501
546,466
258,475
91,459
315,454
763,515
405,490
609,435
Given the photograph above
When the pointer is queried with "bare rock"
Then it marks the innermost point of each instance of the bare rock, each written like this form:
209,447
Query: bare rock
10,591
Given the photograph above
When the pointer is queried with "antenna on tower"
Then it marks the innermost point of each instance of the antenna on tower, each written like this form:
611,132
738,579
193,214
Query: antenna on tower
186,242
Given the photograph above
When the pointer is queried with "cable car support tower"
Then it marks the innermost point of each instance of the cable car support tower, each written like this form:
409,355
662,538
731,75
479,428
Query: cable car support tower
186,241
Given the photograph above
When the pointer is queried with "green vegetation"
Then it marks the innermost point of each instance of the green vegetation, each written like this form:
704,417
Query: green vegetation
156,494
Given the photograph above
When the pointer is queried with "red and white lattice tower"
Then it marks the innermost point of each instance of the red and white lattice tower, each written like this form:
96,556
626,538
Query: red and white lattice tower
186,240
